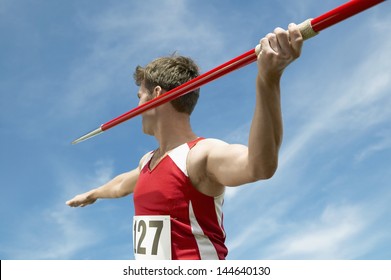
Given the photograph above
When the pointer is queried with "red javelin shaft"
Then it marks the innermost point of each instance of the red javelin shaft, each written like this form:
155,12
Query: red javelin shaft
308,29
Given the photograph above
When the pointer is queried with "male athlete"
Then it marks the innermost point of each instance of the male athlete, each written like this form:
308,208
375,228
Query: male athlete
179,187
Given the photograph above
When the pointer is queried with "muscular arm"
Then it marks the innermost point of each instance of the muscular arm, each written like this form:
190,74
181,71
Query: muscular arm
233,165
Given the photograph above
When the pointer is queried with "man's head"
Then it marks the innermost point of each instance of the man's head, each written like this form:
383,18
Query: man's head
168,73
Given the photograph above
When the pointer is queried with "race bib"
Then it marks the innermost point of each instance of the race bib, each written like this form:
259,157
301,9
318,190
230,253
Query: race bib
152,237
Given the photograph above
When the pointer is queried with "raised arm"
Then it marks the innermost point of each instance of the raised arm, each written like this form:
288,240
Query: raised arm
233,165
279,49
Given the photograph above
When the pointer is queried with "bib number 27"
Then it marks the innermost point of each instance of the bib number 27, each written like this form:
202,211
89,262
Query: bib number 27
152,237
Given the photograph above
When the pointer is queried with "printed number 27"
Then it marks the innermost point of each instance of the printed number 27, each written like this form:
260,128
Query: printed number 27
141,226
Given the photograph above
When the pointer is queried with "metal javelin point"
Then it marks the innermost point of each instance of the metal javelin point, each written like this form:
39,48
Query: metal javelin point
88,135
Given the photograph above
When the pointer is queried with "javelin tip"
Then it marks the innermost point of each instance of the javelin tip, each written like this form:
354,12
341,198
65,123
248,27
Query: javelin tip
88,135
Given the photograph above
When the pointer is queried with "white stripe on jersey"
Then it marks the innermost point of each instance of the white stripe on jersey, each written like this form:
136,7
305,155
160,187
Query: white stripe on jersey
219,210
205,246
179,157
147,159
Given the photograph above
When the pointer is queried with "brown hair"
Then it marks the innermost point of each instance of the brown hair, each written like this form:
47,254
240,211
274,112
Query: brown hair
168,73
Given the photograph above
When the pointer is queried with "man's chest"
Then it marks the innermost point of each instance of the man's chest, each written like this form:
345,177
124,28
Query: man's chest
164,190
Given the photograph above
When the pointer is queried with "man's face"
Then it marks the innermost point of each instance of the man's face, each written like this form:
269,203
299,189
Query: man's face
147,120
143,95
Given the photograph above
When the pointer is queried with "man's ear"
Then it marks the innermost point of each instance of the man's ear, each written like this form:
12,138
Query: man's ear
157,91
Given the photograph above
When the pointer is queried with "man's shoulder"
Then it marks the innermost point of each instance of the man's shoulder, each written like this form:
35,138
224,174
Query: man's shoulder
211,143
201,151
208,144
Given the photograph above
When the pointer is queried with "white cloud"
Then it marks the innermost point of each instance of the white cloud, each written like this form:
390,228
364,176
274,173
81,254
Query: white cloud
52,233
281,222
335,234
57,231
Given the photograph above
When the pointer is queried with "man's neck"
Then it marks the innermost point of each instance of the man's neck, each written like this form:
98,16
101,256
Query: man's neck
173,131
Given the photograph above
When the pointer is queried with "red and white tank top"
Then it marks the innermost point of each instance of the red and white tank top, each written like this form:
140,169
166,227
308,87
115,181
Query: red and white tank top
196,220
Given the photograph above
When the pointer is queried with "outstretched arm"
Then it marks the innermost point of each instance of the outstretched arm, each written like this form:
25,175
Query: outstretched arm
120,186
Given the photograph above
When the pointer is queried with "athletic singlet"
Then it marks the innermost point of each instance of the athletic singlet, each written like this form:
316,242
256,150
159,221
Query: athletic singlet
196,219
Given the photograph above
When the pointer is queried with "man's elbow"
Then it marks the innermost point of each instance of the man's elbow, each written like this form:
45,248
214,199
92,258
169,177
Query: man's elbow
263,171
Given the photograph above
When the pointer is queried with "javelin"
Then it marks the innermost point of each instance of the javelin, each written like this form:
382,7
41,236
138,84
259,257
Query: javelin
308,29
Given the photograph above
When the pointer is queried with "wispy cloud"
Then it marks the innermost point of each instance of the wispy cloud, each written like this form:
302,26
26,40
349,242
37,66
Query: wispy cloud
57,231
332,235
382,143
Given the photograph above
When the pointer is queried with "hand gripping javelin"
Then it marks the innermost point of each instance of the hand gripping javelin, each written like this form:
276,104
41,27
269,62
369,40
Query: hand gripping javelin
308,29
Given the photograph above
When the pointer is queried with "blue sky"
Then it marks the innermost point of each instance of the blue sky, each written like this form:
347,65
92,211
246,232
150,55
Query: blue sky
66,67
